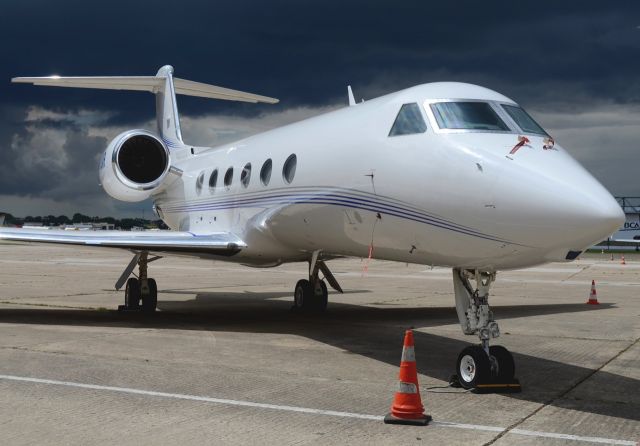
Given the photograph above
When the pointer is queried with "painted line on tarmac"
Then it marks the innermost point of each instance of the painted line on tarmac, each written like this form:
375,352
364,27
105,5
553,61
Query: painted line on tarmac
333,413
180,396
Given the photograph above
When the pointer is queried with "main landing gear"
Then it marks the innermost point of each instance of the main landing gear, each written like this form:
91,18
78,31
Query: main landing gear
311,295
481,367
141,293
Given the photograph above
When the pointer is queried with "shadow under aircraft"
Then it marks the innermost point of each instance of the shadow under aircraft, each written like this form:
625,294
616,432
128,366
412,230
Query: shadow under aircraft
375,333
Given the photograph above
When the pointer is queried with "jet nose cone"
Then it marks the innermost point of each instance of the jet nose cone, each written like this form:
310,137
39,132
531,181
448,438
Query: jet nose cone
585,214
558,207
598,216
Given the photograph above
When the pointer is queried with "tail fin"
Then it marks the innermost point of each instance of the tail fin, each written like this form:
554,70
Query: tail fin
167,116
163,84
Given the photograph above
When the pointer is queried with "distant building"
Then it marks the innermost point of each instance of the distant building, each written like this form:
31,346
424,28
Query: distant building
99,226
631,228
103,226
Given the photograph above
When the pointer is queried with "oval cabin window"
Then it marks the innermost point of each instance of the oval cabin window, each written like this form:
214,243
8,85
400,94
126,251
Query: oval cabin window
245,176
213,180
289,168
228,177
199,182
265,172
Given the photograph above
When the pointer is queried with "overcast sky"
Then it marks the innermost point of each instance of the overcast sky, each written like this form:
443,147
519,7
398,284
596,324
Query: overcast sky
574,65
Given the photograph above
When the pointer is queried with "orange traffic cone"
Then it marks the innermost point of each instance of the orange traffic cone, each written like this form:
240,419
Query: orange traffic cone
593,297
622,262
407,406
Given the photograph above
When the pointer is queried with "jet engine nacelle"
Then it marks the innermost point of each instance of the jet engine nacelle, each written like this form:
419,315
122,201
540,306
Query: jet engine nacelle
134,166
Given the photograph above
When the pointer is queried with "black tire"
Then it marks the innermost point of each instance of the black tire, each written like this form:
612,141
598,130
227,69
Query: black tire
132,294
303,295
150,301
506,364
473,367
321,300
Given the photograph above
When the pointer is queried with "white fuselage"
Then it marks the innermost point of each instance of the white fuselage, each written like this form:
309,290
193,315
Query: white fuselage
450,198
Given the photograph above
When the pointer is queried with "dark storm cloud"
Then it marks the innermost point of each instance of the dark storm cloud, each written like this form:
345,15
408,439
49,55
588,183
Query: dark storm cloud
305,52
557,58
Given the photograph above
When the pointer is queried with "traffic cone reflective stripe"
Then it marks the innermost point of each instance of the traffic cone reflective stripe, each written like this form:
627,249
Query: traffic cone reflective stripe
407,405
408,354
593,297
407,387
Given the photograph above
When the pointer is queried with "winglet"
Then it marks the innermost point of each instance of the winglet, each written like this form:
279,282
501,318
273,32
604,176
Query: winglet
352,100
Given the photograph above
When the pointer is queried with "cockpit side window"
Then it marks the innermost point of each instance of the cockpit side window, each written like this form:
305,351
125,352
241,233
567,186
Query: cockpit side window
524,121
468,116
409,121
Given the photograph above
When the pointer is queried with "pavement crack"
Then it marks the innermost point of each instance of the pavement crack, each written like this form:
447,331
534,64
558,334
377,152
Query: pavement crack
580,271
560,396
72,307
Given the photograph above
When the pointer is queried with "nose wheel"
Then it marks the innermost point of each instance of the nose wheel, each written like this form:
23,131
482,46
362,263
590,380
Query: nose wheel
483,368
475,368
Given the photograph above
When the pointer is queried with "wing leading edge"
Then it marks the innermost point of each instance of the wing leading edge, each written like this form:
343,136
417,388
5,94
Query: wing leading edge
219,243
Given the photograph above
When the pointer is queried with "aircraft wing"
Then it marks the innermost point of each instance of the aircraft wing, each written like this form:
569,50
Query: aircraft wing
179,242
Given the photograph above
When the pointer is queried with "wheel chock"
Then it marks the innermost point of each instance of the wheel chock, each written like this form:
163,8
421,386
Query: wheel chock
510,386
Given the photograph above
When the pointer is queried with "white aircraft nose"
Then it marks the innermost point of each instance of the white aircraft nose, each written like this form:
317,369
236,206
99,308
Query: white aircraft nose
592,213
558,206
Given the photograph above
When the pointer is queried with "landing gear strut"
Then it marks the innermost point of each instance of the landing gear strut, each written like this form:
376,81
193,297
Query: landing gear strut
141,293
481,366
311,295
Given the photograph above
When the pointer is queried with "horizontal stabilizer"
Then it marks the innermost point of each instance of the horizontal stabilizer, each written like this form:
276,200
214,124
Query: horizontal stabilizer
146,83
219,243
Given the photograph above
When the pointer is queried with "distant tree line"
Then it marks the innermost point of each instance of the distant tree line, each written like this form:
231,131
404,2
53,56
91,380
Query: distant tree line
52,220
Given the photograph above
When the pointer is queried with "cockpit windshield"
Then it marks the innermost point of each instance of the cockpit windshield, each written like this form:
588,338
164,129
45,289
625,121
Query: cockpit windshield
467,115
524,121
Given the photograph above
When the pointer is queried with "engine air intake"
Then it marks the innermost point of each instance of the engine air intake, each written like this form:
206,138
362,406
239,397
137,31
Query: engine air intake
142,159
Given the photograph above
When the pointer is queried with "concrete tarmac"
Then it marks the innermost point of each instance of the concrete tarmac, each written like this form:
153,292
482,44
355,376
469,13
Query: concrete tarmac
224,361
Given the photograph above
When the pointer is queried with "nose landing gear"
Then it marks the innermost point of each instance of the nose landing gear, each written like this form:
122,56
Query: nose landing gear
483,368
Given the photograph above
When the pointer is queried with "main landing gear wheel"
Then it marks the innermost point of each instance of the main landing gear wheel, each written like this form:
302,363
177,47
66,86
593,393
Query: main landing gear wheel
308,298
311,295
302,295
150,300
321,296
132,294
141,293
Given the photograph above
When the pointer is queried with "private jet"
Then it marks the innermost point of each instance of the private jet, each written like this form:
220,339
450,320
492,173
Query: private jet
441,174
